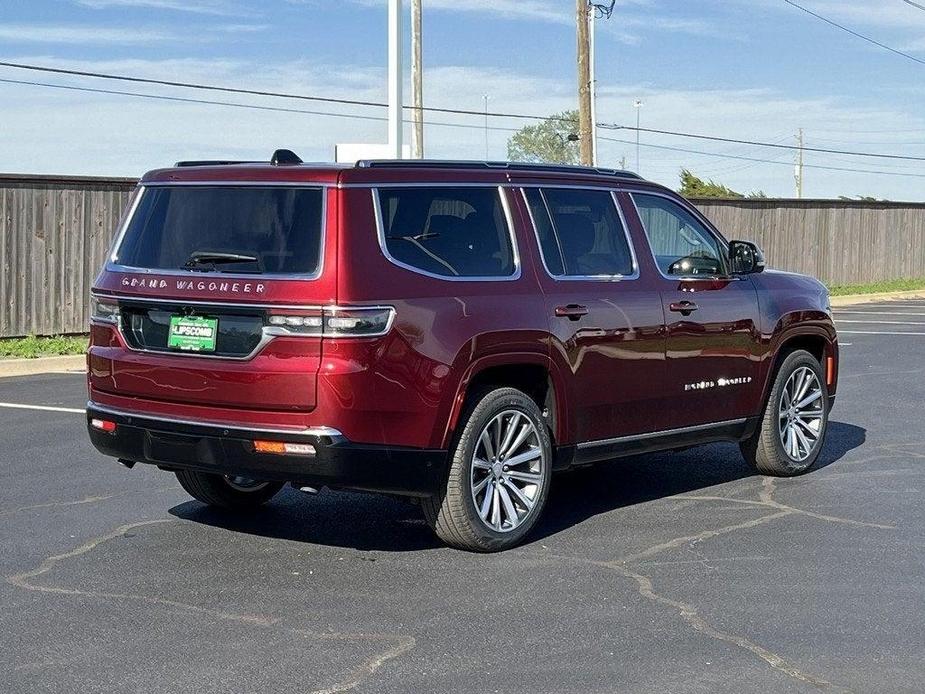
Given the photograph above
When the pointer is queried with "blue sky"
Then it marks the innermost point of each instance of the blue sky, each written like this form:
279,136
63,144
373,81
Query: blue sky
750,69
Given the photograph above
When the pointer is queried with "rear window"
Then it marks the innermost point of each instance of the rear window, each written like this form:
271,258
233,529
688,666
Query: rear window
233,229
449,232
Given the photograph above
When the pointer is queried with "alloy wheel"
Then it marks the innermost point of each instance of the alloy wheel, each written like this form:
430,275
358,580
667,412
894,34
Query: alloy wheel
801,414
508,471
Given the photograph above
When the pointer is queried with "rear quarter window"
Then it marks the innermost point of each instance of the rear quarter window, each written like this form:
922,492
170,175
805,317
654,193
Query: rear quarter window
447,232
281,227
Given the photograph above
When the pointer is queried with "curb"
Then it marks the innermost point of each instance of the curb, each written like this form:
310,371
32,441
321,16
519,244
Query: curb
850,299
43,365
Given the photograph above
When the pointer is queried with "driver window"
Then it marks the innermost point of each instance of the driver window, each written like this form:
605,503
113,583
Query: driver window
681,244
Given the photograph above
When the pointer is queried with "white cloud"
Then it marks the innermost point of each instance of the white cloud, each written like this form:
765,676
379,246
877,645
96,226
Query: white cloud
210,7
80,34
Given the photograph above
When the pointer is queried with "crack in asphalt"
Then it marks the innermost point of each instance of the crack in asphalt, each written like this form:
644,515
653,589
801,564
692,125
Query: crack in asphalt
350,680
689,613
86,500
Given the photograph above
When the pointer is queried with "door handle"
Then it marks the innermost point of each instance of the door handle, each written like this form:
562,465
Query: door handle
572,311
685,308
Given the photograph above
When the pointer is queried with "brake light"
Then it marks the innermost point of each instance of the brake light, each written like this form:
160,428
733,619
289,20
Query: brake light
103,425
335,321
104,310
283,448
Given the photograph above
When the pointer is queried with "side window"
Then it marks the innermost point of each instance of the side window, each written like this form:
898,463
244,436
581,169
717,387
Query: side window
549,244
681,244
450,232
580,232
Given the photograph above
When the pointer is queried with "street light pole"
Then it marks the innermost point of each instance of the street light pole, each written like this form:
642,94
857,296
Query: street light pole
395,79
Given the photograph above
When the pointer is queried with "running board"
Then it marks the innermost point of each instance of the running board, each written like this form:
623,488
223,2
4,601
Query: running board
596,451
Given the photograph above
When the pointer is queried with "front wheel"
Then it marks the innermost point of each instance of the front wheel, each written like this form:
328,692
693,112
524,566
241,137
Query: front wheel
227,491
499,475
789,437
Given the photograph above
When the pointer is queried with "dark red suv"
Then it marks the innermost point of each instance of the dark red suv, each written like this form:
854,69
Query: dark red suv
454,332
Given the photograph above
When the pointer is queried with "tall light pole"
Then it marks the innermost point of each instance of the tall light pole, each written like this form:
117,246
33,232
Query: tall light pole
417,78
799,167
638,106
395,79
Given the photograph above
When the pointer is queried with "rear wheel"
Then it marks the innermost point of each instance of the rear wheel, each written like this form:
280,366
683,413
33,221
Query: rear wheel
227,491
499,475
789,437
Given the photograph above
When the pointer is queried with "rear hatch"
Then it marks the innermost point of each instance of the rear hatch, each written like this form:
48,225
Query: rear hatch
211,288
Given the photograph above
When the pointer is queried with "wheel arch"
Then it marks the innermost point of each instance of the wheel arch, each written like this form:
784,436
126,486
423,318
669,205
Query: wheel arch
817,340
532,373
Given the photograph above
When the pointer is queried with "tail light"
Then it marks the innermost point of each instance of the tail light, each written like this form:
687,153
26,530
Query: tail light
103,425
334,321
104,310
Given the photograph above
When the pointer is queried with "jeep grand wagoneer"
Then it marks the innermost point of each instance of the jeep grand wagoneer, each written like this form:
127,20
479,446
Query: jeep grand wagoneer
454,332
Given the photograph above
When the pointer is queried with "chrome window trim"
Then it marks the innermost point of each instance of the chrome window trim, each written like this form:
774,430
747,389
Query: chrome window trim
663,432
268,332
581,278
113,265
319,431
695,213
508,218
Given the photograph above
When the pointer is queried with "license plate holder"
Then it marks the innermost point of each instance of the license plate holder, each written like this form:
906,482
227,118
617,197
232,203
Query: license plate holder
192,333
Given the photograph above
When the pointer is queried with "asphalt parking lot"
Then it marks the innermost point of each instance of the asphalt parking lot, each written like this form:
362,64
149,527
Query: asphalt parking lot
663,573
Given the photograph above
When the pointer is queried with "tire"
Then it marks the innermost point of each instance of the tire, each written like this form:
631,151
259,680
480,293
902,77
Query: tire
522,487
231,493
771,450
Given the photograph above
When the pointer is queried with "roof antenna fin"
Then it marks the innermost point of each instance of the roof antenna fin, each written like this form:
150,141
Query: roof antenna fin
285,157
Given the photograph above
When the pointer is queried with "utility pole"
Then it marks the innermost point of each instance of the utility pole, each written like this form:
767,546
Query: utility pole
417,78
395,79
638,106
799,167
592,15
485,96
585,124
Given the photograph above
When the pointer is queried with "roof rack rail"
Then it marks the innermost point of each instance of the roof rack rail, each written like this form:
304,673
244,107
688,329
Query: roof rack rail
212,162
504,165
281,157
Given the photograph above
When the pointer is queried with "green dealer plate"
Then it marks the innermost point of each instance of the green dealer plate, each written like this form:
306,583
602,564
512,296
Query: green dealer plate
192,333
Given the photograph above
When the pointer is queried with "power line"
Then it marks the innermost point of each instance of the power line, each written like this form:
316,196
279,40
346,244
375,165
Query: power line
766,161
858,35
232,104
257,92
914,4
775,145
358,102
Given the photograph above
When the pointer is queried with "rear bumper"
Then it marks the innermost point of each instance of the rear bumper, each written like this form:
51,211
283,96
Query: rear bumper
229,450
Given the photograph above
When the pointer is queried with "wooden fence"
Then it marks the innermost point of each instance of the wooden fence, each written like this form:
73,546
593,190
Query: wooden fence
838,241
55,233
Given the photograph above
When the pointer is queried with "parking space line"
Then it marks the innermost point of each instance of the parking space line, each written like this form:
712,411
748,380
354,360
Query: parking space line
43,408
882,313
871,332
879,322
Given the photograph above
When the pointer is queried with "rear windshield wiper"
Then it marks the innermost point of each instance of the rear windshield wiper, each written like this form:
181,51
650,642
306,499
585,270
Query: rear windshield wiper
208,259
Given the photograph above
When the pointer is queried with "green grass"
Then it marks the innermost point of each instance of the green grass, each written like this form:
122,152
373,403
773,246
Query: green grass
877,287
33,347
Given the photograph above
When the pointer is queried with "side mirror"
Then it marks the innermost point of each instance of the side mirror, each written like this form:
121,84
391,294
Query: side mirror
745,258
